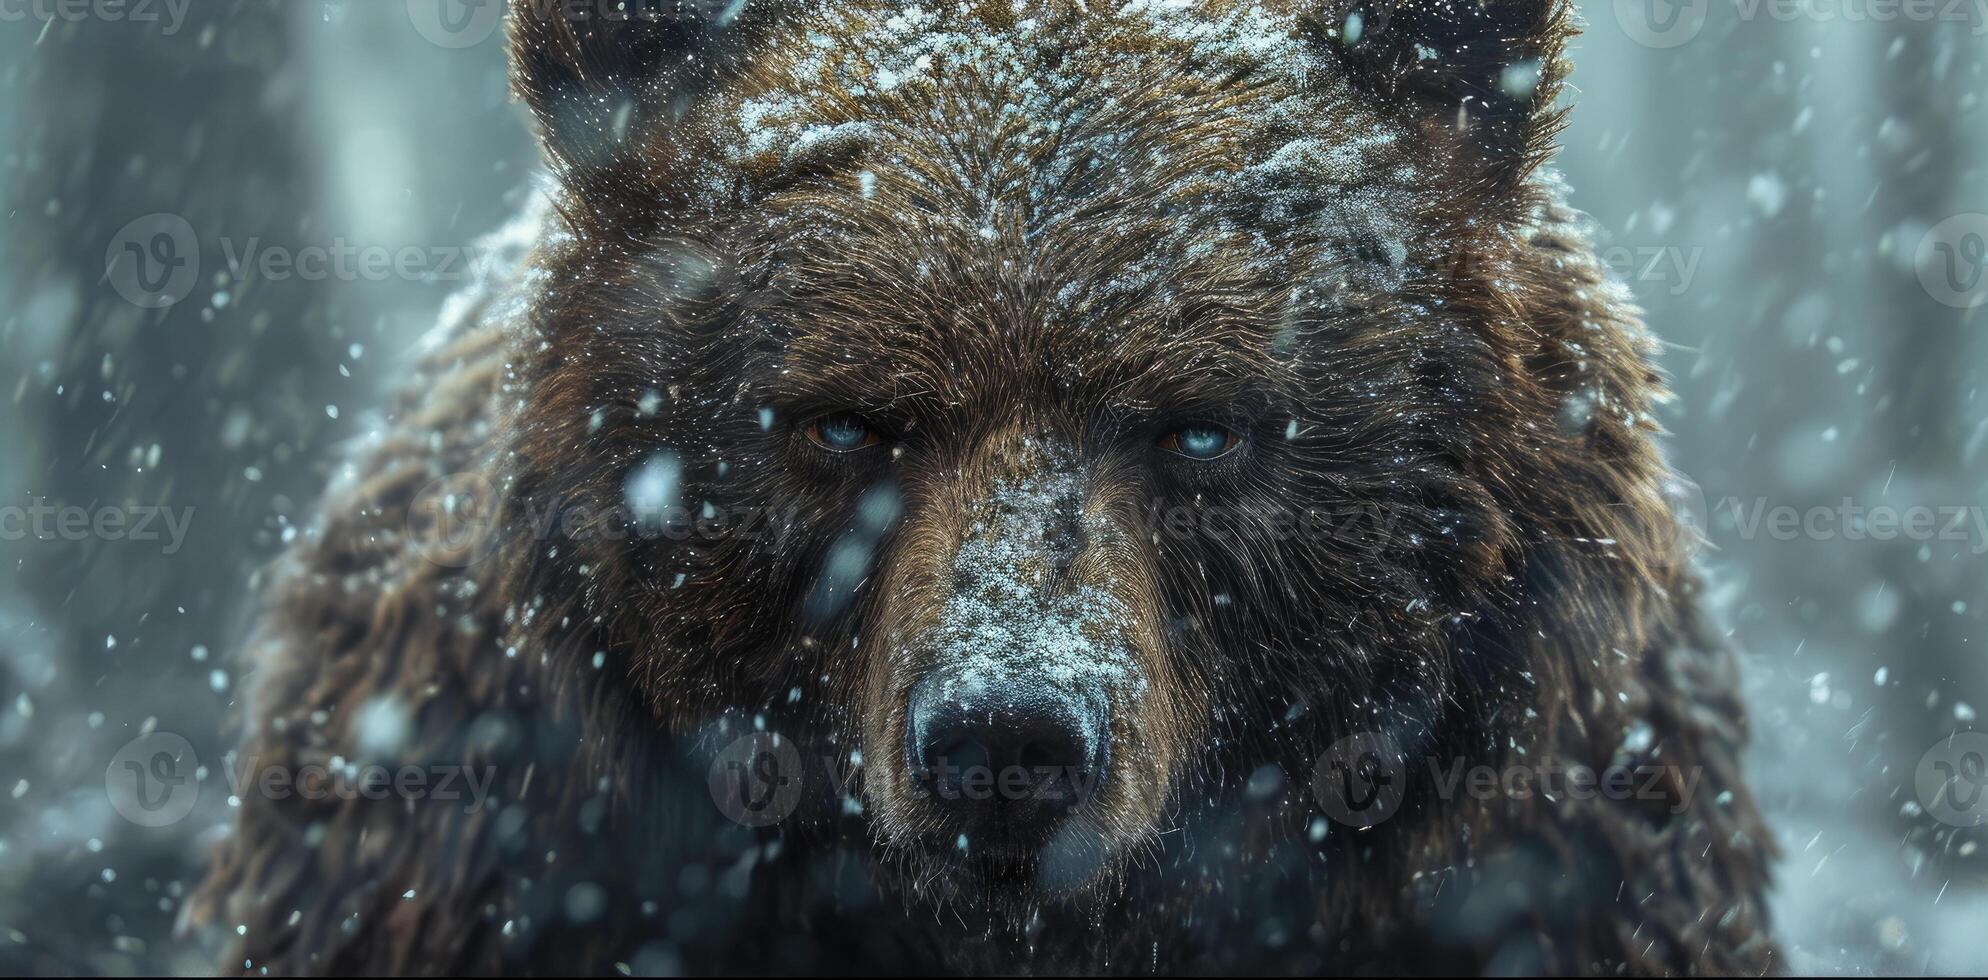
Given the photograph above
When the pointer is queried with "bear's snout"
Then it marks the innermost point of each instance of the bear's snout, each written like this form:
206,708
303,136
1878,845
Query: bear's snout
1021,691
1006,757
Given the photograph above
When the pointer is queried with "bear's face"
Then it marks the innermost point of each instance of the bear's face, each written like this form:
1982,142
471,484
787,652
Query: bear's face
1051,411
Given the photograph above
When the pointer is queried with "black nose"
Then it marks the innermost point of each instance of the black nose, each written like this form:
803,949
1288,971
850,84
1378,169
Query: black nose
1008,756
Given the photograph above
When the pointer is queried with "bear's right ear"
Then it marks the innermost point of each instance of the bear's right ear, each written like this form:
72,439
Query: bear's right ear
606,79
1478,76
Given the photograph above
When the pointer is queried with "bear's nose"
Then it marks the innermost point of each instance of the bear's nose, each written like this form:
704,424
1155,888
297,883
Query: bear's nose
1006,756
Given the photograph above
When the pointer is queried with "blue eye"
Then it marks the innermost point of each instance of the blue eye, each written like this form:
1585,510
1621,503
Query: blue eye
842,433
1200,440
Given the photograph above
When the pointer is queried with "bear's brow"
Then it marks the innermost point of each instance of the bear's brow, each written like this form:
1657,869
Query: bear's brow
912,367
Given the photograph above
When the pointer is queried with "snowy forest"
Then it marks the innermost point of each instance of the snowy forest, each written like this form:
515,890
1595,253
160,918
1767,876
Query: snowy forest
1795,191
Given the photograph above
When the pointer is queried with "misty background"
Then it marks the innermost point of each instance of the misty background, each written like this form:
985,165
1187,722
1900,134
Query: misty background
1792,190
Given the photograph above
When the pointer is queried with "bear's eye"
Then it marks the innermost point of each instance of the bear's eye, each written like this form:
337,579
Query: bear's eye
1200,440
842,433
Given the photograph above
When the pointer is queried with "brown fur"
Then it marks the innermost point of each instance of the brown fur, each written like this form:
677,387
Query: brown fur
762,221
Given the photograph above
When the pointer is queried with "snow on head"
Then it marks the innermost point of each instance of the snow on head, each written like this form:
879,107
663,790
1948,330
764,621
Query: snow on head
1282,154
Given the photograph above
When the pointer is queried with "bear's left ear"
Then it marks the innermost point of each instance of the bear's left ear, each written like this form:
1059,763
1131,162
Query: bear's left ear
1479,75
605,80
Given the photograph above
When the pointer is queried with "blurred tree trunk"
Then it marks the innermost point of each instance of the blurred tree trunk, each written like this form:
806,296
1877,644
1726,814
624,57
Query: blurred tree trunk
266,127
1929,85
123,406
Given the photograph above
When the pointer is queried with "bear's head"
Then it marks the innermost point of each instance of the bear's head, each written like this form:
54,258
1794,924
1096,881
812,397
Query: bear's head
1059,415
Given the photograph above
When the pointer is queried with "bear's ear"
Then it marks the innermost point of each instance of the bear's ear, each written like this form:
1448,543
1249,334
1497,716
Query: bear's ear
1479,75
603,79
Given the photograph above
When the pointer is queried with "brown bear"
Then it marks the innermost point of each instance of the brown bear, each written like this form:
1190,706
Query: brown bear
1208,410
